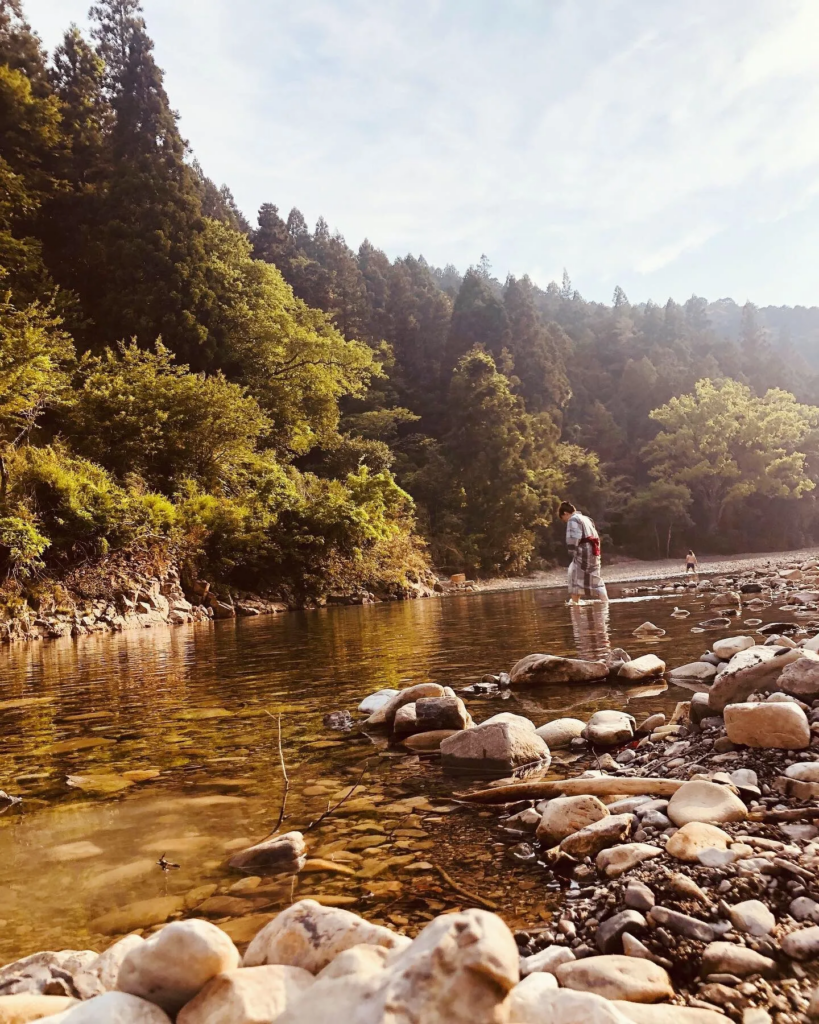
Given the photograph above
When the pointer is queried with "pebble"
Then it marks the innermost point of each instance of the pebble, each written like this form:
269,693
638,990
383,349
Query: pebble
752,917
638,896
680,924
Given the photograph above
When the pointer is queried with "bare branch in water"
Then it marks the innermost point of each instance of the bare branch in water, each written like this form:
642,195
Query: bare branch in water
330,810
286,779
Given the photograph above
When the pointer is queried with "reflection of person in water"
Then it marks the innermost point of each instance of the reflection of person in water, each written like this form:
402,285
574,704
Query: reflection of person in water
583,542
590,625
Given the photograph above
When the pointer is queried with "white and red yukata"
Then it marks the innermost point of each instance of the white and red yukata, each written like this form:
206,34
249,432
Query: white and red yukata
583,542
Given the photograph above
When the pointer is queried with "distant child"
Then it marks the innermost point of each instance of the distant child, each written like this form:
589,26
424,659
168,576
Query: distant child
691,563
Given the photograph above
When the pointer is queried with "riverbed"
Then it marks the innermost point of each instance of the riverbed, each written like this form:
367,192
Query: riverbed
162,744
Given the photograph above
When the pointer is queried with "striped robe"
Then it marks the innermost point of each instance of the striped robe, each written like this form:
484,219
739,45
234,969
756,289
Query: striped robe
584,572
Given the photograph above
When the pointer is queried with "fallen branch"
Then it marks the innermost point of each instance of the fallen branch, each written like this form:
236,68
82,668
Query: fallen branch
450,881
793,814
540,789
286,779
330,810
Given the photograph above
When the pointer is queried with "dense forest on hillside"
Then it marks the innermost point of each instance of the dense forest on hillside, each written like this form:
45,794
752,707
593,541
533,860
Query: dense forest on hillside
287,412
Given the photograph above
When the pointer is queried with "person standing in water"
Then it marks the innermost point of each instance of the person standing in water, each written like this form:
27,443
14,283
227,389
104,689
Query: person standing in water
583,542
691,563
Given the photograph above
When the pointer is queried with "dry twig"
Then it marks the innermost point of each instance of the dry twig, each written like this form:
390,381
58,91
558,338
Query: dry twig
450,881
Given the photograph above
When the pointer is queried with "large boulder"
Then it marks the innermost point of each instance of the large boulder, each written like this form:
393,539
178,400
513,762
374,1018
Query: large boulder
617,977
250,995
309,936
800,679
566,815
557,735
777,725
460,969
385,714
707,802
756,668
545,669
609,728
646,667
172,965
281,855
501,743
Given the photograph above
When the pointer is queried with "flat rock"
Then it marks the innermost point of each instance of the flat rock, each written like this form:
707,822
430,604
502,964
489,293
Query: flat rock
617,977
281,855
545,669
249,995
589,841
688,842
309,936
566,815
561,1006
609,728
645,667
141,914
727,648
376,700
731,958
557,735
173,964
423,742
706,802
618,859
768,726
696,671
495,746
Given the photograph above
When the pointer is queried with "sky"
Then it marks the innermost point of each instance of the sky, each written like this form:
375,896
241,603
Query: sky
671,148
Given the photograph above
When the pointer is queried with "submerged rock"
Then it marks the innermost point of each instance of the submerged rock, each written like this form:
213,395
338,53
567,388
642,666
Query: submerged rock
544,669
281,855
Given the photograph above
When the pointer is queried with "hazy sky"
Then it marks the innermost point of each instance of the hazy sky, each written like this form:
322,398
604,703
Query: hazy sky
667,147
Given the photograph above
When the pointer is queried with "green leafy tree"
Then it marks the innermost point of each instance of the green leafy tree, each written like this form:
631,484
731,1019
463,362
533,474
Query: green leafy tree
725,444
163,422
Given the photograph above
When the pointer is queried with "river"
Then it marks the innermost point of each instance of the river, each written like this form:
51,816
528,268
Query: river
190,713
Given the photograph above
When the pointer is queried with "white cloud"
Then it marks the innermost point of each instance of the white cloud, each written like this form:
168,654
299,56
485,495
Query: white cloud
620,138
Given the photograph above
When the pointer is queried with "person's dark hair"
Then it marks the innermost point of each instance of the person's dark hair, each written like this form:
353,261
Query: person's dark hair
690,552
566,507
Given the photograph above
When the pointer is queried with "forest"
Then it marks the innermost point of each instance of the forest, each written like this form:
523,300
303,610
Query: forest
283,411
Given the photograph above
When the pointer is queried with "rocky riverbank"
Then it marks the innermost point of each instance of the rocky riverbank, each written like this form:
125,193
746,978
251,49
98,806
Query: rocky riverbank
119,598
685,853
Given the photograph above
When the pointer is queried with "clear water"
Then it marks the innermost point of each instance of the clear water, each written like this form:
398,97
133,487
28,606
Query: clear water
191,706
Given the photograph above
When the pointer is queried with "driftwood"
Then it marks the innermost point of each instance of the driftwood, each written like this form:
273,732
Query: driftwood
793,814
543,789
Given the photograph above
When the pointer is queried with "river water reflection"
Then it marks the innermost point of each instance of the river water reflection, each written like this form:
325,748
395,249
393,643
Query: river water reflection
129,747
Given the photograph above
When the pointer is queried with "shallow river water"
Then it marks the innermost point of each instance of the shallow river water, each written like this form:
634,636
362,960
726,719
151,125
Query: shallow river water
190,714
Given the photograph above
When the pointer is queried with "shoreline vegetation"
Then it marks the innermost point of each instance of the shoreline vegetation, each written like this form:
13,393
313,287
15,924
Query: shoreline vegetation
685,851
275,412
